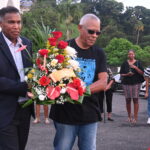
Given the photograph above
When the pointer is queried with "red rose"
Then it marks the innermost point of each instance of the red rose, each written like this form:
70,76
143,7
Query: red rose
81,91
53,92
44,81
60,58
43,52
52,41
38,61
62,44
57,34
77,82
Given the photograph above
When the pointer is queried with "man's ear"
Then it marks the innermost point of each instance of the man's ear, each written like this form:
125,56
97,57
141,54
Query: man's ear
79,27
0,23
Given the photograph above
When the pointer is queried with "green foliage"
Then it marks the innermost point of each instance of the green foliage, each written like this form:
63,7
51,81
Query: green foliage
112,31
145,41
42,10
120,30
117,50
69,17
145,55
39,35
72,31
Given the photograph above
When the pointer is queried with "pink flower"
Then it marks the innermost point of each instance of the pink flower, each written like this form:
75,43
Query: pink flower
43,69
22,48
72,91
53,92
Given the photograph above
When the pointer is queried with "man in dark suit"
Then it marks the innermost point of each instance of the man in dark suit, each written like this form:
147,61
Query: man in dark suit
14,120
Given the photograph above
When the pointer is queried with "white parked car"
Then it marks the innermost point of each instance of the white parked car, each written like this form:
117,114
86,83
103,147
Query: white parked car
117,84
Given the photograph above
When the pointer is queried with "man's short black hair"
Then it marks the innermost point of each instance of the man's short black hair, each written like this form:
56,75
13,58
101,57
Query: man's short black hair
8,9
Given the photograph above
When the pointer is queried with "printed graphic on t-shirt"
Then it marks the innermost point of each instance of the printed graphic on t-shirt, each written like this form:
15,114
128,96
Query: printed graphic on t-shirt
87,70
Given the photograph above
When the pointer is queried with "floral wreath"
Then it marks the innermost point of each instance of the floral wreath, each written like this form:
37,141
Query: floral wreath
54,76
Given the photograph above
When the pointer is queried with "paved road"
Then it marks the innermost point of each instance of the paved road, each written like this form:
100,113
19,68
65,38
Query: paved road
117,135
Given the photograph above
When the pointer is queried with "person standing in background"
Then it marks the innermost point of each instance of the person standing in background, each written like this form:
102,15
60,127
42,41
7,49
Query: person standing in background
14,120
147,93
108,92
37,114
132,76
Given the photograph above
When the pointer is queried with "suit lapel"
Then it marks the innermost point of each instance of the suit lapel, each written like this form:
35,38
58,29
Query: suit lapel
4,47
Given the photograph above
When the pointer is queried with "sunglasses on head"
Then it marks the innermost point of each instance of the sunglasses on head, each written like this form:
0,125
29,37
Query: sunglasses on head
93,32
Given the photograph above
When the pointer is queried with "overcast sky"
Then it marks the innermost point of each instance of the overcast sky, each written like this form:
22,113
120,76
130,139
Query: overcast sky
145,3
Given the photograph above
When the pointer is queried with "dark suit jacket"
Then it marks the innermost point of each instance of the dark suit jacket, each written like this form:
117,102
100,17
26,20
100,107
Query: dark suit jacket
10,86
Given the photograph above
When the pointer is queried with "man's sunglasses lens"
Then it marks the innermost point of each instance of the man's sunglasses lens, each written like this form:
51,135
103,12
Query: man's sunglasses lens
92,32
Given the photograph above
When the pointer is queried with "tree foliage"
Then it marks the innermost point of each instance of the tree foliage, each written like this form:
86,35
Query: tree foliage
118,48
121,30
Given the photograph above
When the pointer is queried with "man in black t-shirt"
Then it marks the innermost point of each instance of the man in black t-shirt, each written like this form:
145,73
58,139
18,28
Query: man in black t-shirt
80,120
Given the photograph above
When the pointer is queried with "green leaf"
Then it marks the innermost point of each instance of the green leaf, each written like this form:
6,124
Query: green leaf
46,102
80,101
88,91
70,100
27,103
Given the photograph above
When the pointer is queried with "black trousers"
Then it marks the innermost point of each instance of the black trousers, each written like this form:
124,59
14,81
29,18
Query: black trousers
109,95
14,136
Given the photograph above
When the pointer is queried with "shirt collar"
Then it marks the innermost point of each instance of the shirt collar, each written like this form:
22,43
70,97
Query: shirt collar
9,43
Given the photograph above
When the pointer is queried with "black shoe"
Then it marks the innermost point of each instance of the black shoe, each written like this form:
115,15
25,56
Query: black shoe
110,119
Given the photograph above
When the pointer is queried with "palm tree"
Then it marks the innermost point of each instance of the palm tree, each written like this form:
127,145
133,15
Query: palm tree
70,14
139,27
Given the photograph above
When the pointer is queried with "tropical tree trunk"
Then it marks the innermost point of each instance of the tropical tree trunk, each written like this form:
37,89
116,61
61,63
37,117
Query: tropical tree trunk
137,39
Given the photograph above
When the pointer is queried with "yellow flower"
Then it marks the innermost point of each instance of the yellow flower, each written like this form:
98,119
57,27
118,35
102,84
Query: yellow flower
52,47
33,70
47,43
56,54
30,76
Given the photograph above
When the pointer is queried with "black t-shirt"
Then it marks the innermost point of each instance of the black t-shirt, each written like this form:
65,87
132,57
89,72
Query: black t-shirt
92,61
131,80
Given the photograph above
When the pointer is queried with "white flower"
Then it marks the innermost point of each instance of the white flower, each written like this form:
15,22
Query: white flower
71,51
54,62
41,97
63,90
26,78
55,49
74,64
54,70
34,78
38,91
